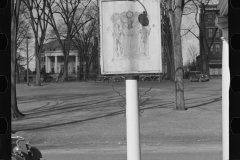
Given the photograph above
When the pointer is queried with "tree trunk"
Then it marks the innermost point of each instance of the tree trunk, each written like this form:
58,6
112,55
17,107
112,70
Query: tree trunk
65,69
88,65
38,65
205,57
175,19
171,52
80,67
179,84
38,71
84,71
168,68
207,65
172,68
17,73
14,108
66,50
205,49
87,72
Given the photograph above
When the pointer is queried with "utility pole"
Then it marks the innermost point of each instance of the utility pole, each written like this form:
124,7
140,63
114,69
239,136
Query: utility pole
28,37
99,66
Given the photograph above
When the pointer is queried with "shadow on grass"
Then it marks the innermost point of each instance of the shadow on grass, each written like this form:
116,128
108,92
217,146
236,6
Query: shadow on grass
89,106
210,101
67,123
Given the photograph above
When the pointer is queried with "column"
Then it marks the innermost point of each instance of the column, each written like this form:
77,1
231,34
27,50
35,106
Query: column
46,65
225,98
76,63
132,119
49,65
55,65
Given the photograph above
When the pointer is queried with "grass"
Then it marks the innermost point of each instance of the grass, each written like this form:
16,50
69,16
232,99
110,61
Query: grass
88,115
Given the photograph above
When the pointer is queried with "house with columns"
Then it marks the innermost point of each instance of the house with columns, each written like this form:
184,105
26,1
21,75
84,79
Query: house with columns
53,61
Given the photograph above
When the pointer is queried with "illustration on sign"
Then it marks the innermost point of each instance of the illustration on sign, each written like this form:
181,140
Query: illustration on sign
130,38
127,45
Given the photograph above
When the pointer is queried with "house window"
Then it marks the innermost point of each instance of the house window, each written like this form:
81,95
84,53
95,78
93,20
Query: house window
210,32
217,47
218,33
209,18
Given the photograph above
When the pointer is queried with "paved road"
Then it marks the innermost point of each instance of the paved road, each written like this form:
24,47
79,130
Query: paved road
200,152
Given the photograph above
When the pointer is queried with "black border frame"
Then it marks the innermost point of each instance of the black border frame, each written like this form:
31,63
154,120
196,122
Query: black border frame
234,97
5,70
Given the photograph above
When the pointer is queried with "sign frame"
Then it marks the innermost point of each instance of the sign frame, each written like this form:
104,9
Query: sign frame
131,59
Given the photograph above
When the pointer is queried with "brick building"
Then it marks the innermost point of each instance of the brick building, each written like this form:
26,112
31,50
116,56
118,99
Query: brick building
215,55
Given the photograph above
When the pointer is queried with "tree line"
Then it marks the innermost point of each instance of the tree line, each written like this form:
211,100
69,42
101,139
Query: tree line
78,27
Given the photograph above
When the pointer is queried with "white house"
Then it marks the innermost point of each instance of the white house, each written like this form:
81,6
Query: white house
53,61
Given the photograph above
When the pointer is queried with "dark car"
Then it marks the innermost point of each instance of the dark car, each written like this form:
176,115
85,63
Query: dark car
22,150
197,76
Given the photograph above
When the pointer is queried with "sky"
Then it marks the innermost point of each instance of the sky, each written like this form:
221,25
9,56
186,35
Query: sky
189,39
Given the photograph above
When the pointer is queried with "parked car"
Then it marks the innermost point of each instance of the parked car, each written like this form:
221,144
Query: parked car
22,150
197,76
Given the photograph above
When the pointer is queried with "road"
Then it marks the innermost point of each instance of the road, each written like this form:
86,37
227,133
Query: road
200,152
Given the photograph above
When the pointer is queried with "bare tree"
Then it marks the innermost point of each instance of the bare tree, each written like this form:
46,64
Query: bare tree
15,9
192,54
167,41
175,11
39,17
21,61
201,5
85,40
23,31
67,10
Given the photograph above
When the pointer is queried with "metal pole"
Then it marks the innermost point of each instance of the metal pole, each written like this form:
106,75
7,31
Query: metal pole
27,64
132,119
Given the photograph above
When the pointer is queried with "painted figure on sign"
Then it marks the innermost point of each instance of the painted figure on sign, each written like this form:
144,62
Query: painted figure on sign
118,36
130,38
144,33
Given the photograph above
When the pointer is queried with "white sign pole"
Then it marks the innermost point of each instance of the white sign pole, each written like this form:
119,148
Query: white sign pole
132,119
225,100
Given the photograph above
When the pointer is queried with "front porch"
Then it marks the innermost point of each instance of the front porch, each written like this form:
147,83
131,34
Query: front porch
54,62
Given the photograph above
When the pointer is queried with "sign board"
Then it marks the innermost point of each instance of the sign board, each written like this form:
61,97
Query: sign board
127,47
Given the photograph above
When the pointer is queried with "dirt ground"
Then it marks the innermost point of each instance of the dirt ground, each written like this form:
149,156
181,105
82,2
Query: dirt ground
85,119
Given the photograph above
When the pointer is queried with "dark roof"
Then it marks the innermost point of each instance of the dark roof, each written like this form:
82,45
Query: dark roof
51,46
54,45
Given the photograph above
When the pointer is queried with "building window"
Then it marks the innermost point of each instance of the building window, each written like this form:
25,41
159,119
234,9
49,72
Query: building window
211,49
218,33
210,32
209,18
217,47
